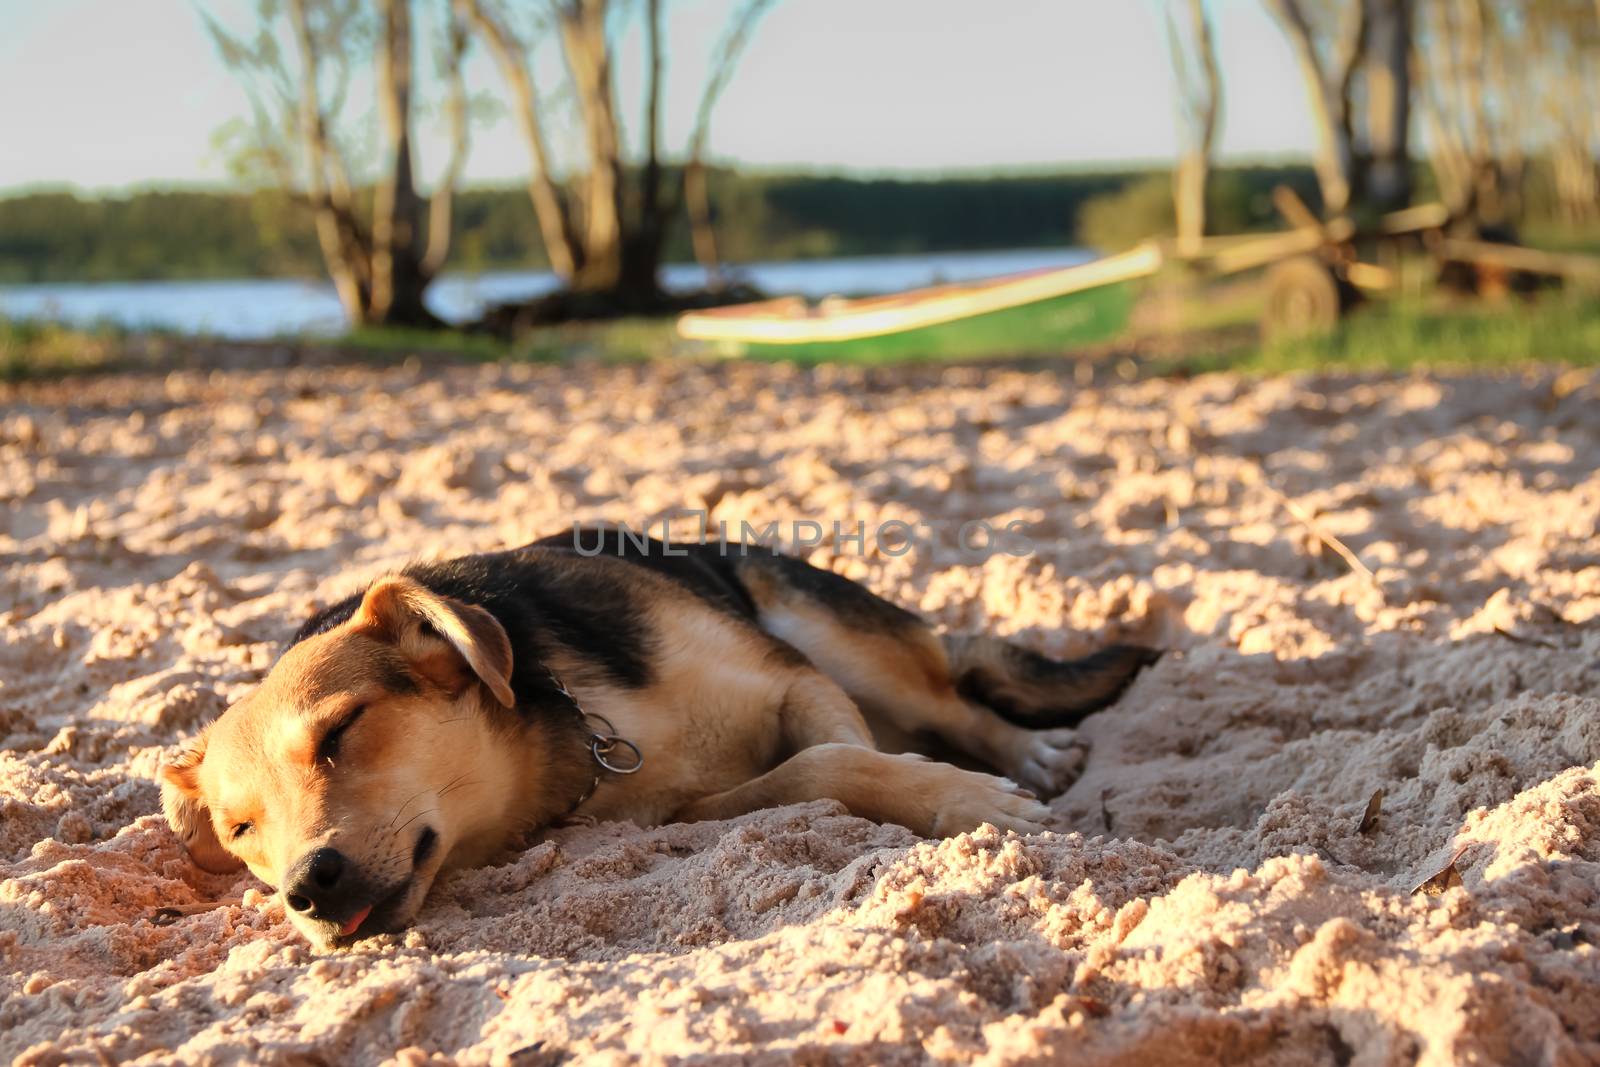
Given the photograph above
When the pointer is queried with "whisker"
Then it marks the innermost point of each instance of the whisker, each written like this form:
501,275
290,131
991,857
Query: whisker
458,784
407,804
414,818
452,783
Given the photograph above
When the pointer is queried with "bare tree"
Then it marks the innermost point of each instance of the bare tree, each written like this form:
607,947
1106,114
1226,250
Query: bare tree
584,44
1329,75
582,232
605,226
1472,106
397,209
1385,161
1353,53
441,206
1567,44
697,198
1199,86
561,241
380,268
1504,81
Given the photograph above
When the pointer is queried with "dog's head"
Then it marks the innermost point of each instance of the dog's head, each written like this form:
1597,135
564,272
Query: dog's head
364,758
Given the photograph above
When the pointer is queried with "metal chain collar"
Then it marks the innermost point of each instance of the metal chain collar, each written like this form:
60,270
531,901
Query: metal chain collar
604,744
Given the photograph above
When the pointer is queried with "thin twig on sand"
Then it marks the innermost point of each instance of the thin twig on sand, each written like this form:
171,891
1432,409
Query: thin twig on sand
1344,550
1309,521
1522,640
1253,475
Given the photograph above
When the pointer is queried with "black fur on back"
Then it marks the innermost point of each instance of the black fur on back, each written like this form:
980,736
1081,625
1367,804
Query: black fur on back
707,568
546,595
542,607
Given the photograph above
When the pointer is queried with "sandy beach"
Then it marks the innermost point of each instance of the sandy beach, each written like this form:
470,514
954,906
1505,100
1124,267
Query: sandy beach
1220,885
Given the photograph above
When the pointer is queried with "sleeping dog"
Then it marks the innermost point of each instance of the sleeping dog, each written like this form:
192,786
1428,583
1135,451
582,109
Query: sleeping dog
434,719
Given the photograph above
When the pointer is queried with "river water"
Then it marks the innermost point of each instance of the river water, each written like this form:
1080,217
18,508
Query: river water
255,308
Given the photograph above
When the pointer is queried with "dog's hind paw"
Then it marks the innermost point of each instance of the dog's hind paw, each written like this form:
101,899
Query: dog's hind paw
1049,761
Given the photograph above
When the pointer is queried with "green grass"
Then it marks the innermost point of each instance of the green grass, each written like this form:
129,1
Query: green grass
619,341
47,350
1402,335
1584,239
35,350
1221,307
1048,327
1384,335
383,343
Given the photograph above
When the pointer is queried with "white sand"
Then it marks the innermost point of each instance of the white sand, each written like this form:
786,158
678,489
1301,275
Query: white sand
1209,897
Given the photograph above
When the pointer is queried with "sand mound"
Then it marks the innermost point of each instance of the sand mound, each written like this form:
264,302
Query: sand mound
1216,890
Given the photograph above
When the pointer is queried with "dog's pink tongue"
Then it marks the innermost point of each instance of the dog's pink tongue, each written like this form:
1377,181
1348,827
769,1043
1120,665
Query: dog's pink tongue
355,921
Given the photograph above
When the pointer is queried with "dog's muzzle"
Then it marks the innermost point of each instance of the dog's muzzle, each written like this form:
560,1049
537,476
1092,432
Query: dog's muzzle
325,886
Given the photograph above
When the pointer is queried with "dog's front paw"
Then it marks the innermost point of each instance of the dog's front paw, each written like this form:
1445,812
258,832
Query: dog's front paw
971,799
1048,761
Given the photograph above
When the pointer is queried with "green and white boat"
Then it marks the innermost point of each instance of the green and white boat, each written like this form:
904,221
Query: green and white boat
1034,312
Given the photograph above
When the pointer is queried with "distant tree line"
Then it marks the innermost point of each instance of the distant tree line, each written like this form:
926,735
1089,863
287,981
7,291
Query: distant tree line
59,236
1505,86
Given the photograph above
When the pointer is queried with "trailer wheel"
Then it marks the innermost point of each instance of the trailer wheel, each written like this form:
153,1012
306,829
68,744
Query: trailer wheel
1304,296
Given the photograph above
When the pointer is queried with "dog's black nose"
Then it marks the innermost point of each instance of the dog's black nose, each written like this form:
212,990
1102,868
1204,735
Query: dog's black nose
317,885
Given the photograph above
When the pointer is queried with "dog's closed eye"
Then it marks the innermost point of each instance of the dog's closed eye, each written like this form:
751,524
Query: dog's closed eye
328,748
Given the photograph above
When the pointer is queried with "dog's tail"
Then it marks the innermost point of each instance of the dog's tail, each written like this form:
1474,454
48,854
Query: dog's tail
1036,691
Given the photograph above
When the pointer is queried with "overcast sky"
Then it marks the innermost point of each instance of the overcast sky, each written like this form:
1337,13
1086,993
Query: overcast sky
107,94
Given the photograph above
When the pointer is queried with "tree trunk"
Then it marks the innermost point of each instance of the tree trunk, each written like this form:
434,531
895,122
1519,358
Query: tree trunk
334,224
441,205
1189,189
1386,185
1476,150
397,279
561,243
378,266
1577,182
696,191
607,234
702,233
650,219
583,34
1501,199
1328,92
644,234
1200,99
1452,166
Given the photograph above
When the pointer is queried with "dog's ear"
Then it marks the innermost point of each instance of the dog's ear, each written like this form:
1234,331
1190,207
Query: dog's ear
187,812
400,609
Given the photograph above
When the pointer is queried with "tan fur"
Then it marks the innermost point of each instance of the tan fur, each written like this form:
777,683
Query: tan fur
395,608
905,685
733,718
436,754
932,799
